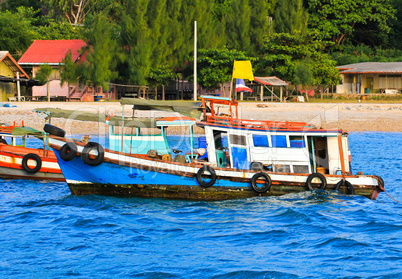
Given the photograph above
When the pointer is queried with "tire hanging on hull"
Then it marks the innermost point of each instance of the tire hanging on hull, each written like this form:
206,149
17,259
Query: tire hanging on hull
68,151
267,184
201,172
31,156
309,181
53,130
347,184
88,148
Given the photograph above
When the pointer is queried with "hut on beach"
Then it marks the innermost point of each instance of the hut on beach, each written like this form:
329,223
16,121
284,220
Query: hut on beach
12,76
371,77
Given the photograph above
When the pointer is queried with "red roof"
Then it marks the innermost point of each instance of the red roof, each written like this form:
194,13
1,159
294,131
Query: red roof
51,51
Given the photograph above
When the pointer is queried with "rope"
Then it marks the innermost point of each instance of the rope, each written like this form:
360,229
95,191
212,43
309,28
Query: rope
391,197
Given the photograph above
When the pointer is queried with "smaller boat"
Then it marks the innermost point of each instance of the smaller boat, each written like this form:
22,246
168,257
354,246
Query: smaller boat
22,162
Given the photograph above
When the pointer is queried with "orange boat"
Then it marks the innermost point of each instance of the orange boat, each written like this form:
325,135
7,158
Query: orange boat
21,162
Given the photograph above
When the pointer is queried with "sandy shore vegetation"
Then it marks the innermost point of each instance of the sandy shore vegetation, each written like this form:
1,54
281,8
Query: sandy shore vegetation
350,117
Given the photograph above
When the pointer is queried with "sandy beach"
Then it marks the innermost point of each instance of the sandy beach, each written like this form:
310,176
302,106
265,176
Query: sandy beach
348,116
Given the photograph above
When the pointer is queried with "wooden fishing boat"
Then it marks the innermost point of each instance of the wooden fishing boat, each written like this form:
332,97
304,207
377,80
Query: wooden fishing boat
22,162
245,158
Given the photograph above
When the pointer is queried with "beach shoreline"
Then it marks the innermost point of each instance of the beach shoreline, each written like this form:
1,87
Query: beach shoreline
350,117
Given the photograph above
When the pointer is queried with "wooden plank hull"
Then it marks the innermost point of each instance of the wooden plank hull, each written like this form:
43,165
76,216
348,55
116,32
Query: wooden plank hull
122,174
9,173
213,193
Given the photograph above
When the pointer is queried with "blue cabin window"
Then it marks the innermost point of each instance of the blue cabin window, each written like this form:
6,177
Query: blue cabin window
279,141
297,142
260,141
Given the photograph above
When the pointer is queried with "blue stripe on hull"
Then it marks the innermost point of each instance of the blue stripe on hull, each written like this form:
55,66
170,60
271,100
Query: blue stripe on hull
109,173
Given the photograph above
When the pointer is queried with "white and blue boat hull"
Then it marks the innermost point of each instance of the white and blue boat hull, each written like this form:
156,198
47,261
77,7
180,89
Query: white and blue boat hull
122,174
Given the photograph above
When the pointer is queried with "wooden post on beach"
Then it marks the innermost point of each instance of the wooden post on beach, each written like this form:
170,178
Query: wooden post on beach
18,87
262,93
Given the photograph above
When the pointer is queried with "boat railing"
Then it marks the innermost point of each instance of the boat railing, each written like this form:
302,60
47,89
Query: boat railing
232,117
227,120
9,129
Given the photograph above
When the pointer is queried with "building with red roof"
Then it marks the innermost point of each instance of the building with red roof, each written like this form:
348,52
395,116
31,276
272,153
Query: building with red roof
51,52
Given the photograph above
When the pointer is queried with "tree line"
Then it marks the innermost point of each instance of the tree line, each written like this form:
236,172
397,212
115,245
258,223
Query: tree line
148,42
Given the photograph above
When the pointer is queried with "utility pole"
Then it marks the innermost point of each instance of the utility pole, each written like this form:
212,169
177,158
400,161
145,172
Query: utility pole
195,60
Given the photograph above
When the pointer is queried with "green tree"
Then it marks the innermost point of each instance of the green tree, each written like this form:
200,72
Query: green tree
260,22
290,16
303,75
136,35
336,19
16,31
43,75
101,51
210,32
396,27
157,20
161,75
238,26
57,30
283,51
69,72
75,11
13,5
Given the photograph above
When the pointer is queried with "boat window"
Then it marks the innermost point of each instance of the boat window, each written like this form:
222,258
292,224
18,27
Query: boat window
297,141
238,140
260,141
279,141
282,168
218,140
300,169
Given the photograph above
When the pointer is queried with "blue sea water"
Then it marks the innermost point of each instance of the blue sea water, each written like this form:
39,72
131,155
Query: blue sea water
47,233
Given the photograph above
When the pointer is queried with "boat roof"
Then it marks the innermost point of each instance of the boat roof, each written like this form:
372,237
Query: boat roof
189,109
20,131
95,117
175,121
270,126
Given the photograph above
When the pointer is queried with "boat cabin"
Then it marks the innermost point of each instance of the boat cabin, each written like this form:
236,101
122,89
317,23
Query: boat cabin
285,147
138,143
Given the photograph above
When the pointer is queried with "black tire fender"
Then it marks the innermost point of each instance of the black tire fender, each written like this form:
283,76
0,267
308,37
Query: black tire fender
201,172
68,151
347,184
32,156
53,130
267,185
88,148
316,175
